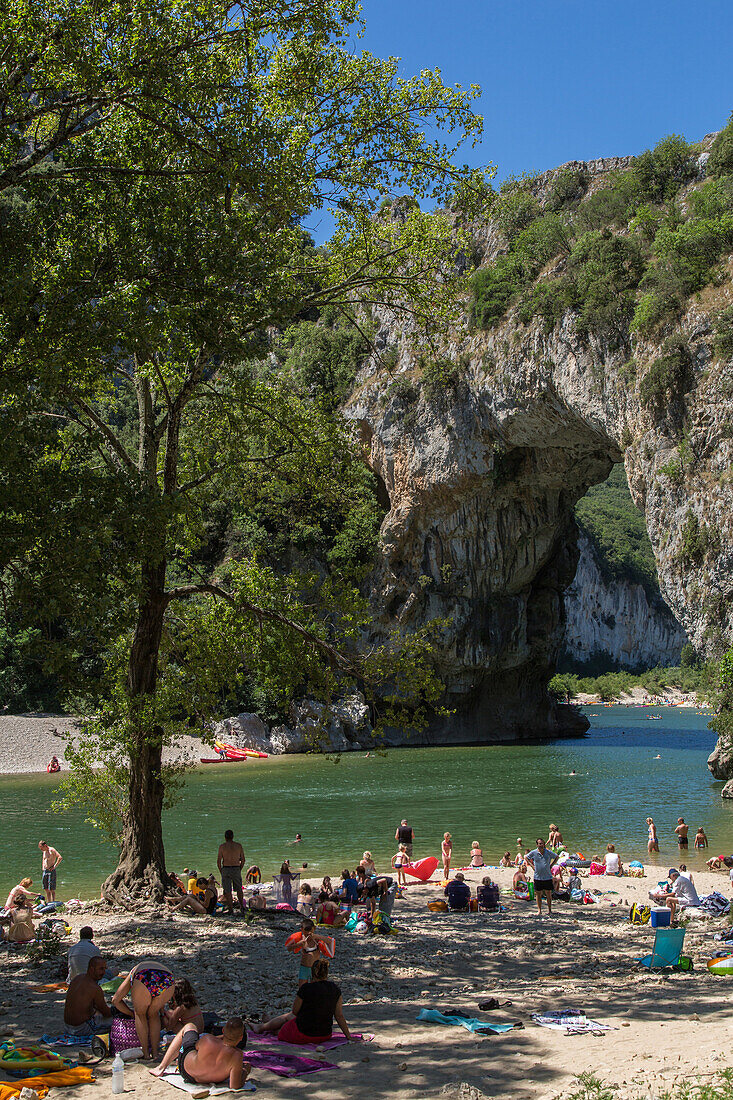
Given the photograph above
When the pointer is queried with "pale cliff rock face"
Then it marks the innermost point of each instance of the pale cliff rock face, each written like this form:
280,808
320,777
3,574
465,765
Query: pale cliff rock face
482,481
616,619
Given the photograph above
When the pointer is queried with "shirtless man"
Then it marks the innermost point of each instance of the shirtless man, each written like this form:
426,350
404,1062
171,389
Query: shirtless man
653,842
230,862
681,831
85,1009
50,860
207,1059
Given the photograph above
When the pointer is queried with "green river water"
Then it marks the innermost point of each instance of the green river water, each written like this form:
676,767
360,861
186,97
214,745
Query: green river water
492,794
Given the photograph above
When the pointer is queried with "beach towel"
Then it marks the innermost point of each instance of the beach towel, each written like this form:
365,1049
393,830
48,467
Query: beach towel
715,903
570,1020
285,1065
178,1082
67,1040
478,1027
79,1075
271,1040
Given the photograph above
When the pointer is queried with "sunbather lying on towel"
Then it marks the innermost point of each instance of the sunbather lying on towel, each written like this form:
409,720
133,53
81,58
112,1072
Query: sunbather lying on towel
207,1059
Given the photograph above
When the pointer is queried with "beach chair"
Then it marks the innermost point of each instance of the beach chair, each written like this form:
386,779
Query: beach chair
668,943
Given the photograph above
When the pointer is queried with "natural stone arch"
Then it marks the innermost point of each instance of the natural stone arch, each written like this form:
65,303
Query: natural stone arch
482,479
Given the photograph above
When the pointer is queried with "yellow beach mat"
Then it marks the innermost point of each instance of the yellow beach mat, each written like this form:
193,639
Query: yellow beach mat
78,1076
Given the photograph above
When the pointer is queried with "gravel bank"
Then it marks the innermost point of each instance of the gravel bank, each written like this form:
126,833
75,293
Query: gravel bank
28,741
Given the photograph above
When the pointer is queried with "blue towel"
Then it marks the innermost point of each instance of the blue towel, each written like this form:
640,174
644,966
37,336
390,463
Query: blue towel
434,1017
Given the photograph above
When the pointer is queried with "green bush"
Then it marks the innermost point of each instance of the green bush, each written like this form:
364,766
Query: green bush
493,289
325,358
720,162
606,270
567,189
694,539
723,333
439,377
515,210
668,378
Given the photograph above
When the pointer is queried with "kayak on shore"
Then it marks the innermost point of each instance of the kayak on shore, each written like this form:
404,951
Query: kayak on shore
234,753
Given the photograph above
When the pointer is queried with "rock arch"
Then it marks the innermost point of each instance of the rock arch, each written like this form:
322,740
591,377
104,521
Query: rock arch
482,479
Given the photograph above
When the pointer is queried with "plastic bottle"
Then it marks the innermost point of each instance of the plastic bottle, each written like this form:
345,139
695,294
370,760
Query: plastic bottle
118,1075
530,890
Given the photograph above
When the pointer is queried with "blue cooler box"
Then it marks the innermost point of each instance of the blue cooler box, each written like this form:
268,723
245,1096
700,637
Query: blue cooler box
661,917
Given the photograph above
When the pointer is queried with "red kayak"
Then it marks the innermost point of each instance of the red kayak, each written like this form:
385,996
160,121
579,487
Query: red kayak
422,869
223,760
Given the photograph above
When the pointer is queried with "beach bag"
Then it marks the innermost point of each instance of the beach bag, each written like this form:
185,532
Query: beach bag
438,906
684,963
123,1034
640,914
382,923
588,899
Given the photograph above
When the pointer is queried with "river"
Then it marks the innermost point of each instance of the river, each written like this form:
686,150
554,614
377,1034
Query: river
343,806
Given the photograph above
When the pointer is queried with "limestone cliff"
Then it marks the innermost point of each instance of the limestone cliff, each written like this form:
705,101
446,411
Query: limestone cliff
613,620
482,475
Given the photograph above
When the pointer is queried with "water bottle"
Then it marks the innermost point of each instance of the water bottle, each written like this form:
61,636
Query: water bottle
118,1075
530,890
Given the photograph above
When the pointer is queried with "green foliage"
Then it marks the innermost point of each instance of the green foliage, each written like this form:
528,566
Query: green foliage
723,333
514,210
668,378
440,377
720,162
567,189
615,526
325,358
722,722
694,539
700,678
493,289
605,271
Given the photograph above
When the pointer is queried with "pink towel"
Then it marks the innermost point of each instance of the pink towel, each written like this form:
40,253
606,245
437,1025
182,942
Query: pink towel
271,1040
284,1065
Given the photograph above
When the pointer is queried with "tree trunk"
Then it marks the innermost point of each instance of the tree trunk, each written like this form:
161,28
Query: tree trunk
141,866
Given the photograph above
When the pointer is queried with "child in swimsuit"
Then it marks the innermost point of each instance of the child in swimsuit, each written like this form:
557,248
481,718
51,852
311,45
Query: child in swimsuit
446,849
701,841
477,856
399,860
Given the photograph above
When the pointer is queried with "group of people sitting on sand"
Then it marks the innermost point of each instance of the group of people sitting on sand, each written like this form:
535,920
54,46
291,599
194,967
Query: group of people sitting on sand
150,998
364,886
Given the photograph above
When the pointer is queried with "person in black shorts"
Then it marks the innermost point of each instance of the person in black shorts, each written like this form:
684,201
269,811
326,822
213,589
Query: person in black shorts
404,834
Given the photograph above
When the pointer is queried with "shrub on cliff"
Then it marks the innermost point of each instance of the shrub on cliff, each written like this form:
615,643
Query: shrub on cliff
720,162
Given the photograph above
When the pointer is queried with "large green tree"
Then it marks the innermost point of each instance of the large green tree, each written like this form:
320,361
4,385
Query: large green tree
159,162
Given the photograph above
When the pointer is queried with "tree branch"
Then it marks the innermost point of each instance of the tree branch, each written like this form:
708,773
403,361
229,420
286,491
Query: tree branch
114,445
333,656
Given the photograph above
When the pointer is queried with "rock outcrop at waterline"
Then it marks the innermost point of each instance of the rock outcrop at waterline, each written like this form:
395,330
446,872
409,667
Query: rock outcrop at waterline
481,475
615,621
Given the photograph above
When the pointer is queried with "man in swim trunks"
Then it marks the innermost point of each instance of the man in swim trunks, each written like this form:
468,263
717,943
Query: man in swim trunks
85,1009
230,862
50,860
208,1059
405,834
681,831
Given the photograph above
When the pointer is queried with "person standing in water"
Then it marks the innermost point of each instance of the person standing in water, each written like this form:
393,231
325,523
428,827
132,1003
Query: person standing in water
653,842
681,831
404,834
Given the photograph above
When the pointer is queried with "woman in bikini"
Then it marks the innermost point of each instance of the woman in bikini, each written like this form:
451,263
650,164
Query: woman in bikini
653,842
150,985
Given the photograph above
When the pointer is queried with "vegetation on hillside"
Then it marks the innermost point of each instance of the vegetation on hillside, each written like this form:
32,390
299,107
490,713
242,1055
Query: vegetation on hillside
691,675
616,528
625,256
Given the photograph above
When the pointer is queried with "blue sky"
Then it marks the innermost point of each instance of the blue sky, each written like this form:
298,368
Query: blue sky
564,80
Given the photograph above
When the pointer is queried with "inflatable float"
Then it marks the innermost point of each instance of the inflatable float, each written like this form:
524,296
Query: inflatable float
722,965
236,753
223,759
325,944
422,869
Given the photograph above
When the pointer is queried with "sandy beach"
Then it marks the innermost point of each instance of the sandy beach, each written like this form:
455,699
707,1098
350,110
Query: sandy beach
666,1025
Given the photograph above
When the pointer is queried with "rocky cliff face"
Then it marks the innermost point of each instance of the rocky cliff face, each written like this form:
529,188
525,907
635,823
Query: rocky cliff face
616,620
482,478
